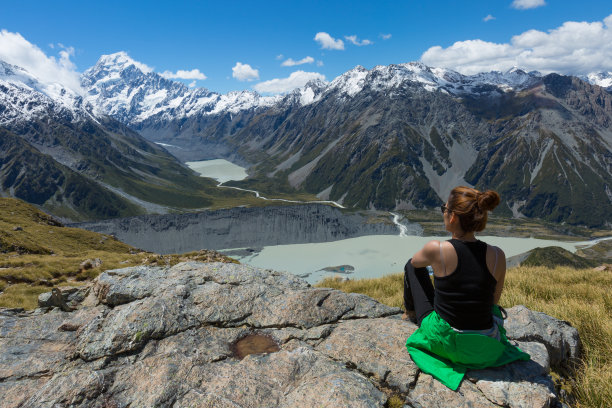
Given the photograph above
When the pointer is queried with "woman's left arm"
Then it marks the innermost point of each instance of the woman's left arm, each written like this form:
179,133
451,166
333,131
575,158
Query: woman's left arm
428,255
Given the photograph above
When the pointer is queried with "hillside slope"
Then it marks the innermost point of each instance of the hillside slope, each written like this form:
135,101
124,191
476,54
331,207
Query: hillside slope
59,156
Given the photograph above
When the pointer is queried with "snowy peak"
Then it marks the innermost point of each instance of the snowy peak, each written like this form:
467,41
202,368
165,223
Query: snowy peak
351,82
603,79
24,96
385,77
121,61
127,89
131,92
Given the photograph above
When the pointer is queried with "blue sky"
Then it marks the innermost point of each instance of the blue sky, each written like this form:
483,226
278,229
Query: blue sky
212,37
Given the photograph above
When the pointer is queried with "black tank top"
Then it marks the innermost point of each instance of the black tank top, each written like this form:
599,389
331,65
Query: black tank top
465,297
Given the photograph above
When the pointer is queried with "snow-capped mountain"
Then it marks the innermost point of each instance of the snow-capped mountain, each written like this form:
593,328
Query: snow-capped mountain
24,97
603,79
392,137
56,154
432,79
128,91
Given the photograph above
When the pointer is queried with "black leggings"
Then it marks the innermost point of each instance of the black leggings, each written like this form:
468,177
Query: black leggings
418,291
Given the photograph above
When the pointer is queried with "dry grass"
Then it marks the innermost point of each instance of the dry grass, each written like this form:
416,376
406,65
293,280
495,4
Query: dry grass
38,253
582,297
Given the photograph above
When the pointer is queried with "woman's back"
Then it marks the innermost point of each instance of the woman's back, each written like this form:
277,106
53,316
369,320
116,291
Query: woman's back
464,296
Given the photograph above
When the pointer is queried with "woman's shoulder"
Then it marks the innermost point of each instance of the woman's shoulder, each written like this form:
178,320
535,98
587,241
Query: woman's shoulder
494,249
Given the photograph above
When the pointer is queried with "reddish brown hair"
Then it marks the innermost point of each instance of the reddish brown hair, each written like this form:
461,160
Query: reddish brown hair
471,206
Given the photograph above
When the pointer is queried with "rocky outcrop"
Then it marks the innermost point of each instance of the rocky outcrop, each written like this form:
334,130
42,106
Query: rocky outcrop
168,337
240,227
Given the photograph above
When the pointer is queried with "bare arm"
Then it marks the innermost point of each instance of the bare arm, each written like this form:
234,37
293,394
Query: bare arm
428,255
499,274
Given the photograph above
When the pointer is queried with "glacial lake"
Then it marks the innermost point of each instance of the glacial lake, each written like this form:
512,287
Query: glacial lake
218,169
363,257
371,256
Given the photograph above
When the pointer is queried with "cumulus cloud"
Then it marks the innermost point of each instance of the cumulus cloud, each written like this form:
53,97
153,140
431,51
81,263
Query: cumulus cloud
281,85
192,84
527,4
16,50
327,42
575,48
385,36
354,40
244,72
488,18
183,74
291,63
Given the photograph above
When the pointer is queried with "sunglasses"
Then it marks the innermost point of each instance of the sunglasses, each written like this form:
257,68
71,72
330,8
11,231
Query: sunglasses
444,208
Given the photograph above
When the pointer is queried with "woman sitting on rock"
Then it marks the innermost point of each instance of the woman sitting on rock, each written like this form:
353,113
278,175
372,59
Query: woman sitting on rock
460,326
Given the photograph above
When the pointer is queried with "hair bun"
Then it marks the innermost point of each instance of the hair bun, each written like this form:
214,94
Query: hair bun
488,200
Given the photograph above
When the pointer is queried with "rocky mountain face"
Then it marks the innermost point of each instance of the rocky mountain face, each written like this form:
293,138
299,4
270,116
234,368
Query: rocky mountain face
241,227
58,154
228,335
393,137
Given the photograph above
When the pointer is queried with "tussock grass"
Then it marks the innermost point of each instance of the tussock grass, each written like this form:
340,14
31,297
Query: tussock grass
38,253
582,297
388,289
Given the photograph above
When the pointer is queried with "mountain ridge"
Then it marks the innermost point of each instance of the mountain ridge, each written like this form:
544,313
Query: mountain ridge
393,137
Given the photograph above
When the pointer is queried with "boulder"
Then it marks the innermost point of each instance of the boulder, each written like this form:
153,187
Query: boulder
168,337
559,337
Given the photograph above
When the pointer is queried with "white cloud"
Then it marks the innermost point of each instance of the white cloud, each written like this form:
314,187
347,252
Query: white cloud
281,85
319,63
291,63
192,84
527,4
328,42
183,74
244,72
385,36
354,40
16,50
280,57
488,18
575,48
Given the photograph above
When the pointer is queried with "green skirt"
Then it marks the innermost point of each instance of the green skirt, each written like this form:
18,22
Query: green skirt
445,354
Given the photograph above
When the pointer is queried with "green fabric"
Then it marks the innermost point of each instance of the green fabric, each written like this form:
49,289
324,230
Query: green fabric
445,354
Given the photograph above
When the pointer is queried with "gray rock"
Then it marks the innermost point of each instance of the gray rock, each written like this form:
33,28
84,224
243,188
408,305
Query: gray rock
376,347
559,337
66,298
151,336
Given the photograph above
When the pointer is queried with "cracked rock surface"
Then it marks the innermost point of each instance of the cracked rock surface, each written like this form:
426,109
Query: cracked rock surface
154,336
